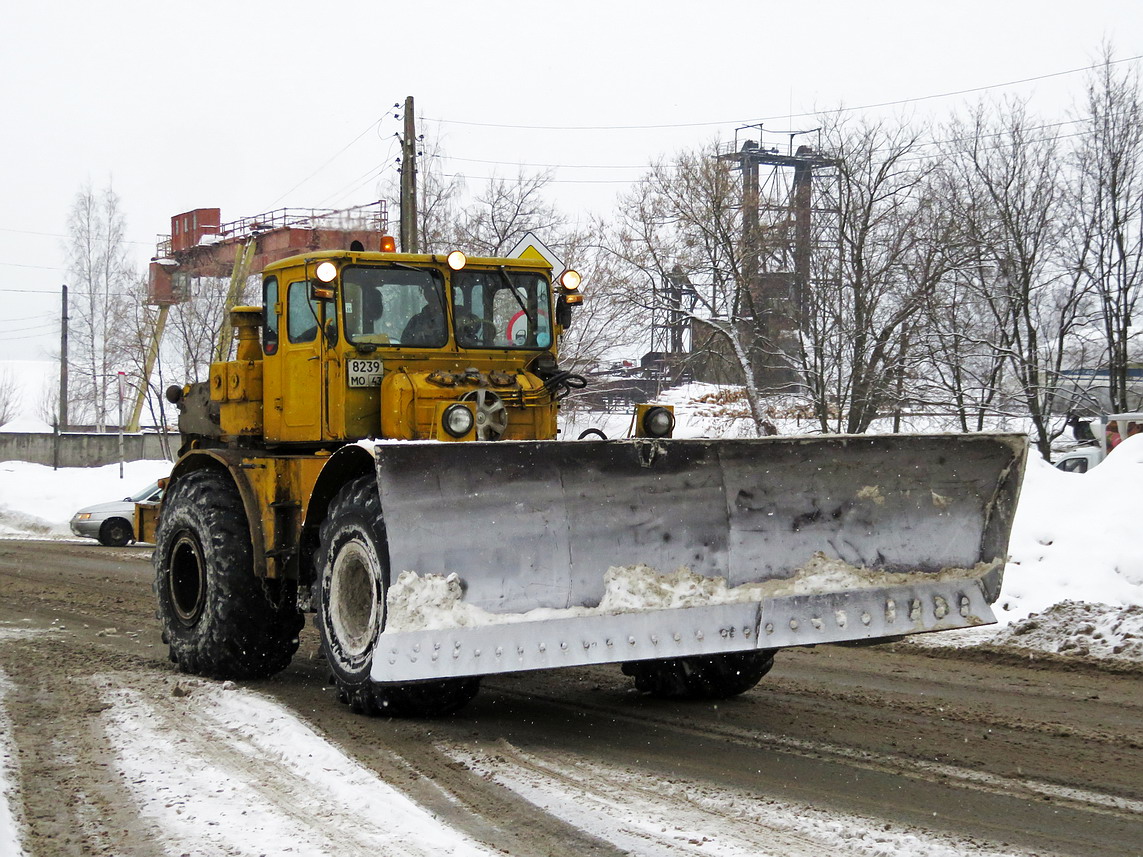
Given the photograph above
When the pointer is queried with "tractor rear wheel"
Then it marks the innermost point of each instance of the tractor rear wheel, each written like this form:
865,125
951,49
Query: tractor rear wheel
701,676
353,578
217,617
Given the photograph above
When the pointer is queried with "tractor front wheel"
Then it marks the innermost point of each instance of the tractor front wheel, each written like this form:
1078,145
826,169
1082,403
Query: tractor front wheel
353,578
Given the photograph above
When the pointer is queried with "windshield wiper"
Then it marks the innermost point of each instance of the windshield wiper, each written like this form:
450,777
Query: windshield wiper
512,289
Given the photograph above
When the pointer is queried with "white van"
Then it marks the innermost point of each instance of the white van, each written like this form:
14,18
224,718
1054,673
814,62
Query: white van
1084,458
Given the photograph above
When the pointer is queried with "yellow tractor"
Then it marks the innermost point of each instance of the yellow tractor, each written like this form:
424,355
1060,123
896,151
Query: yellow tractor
383,450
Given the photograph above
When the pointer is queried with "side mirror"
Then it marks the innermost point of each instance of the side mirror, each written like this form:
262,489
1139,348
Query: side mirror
563,313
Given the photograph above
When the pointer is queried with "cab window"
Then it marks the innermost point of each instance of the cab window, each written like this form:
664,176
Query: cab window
390,306
501,309
302,313
270,315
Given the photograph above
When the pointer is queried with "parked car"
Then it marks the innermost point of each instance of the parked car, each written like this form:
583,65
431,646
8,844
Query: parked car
113,523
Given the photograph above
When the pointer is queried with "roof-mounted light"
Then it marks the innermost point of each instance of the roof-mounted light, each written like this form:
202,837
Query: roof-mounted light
571,280
457,260
326,272
388,244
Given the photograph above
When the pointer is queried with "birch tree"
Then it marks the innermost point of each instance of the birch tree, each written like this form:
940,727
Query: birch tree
100,275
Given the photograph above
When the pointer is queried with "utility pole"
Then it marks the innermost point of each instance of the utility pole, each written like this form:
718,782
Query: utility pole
122,392
63,424
409,242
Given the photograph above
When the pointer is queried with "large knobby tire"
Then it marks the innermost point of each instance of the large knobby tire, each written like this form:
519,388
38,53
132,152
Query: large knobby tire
115,533
353,577
218,618
701,676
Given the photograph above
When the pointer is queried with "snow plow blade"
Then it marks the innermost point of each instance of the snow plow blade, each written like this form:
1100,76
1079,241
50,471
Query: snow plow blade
821,539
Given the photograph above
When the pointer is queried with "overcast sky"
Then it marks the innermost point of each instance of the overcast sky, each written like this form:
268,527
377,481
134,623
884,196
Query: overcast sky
250,106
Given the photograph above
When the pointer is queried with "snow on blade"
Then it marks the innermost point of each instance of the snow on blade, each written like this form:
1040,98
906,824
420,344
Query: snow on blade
415,602
236,773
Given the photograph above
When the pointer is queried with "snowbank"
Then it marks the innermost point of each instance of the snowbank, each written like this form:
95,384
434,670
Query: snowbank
1075,536
39,501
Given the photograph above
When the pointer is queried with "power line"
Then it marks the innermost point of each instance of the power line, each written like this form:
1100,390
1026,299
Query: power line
38,267
896,103
553,166
59,235
374,124
42,326
530,178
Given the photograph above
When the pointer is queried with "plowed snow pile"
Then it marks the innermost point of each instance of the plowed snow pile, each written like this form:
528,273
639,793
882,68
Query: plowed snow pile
1076,628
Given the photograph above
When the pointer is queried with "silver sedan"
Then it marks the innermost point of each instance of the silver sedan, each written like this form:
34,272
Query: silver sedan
113,523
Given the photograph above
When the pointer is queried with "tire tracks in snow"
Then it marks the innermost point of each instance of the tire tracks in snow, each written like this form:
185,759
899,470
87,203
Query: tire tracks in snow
908,766
654,817
251,778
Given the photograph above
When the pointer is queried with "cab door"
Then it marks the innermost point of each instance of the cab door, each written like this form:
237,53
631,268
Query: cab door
302,392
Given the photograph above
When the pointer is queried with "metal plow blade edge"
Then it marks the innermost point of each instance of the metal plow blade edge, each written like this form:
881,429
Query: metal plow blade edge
537,525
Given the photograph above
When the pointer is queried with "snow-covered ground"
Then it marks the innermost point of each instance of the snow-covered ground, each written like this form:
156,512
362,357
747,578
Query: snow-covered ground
1074,585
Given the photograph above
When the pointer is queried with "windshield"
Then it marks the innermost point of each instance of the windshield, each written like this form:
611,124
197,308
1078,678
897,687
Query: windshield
394,306
501,309
140,496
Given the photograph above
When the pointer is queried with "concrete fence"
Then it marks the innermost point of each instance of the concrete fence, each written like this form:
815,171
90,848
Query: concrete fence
73,449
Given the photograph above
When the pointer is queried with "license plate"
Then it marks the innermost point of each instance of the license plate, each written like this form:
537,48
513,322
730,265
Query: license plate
363,373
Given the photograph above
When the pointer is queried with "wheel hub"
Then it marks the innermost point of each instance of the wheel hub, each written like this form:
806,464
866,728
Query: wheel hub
491,413
354,606
187,581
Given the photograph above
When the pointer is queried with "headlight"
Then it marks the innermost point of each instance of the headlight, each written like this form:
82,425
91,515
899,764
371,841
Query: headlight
457,260
326,272
571,280
83,516
658,422
457,420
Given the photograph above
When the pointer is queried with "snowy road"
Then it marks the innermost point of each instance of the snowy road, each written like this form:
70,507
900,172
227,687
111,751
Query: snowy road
843,751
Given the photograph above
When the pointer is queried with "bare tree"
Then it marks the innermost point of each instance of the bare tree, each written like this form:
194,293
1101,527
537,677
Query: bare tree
98,265
1109,192
965,371
9,396
193,325
680,231
1014,216
858,322
605,325
48,404
438,197
504,212
135,337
